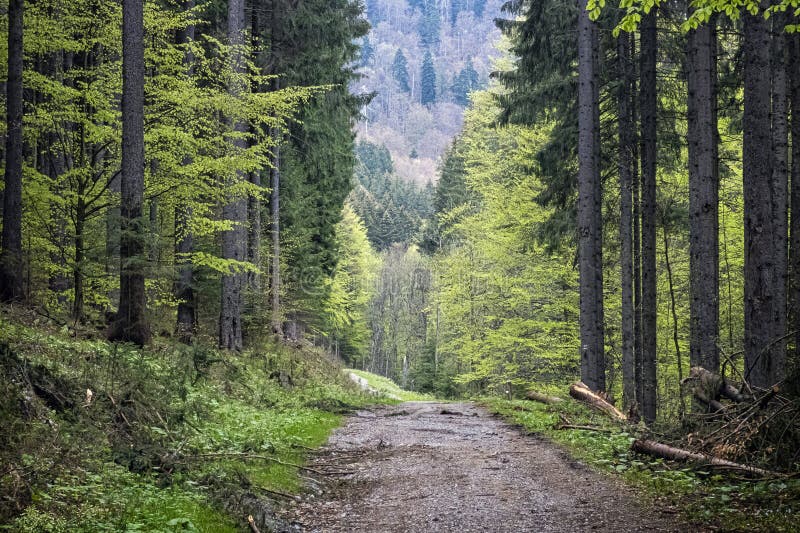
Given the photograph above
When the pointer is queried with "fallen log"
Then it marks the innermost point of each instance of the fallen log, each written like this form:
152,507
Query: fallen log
252,523
581,392
543,398
664,451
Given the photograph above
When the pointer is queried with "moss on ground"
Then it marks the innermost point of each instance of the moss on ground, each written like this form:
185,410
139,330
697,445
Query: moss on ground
389,388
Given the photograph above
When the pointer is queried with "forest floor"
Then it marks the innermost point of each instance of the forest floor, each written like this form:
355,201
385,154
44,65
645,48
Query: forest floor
427,466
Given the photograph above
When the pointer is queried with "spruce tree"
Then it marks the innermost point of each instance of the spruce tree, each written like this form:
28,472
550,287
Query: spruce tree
428,91
400,71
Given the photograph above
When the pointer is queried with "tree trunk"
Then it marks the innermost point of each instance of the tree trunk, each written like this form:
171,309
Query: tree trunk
794,304
589,206
184,238
275,214
234,242
626,129
648,96
11,267
759,270
131,323
703,197
656,449
581,392
780,190
254,200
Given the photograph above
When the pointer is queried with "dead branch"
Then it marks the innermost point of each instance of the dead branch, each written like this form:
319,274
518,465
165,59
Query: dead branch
261,457
252,523
664,451
581,392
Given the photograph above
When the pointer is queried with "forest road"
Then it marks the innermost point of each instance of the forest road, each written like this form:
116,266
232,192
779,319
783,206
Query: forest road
453,467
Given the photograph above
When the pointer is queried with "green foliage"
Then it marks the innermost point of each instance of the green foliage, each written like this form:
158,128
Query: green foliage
466,82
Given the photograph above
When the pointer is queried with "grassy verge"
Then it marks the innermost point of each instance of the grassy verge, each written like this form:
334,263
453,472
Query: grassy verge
700,494
389,388
170,437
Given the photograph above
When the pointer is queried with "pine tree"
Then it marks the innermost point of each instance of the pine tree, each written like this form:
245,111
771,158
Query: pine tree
430,25
400,71
367,52
428,90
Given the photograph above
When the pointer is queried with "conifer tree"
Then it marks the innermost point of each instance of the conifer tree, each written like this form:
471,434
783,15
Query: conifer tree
400,71
428,90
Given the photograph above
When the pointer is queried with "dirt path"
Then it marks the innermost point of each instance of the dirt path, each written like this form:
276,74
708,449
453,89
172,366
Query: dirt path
432,467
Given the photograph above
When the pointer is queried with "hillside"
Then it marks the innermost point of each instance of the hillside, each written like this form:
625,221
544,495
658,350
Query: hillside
413,118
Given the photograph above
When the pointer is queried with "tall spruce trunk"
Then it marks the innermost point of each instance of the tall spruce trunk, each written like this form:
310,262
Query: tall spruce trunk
759,270
589,206
234,242
648,96
186,322
794,303
11,267
780,191
131,322
254,200
627,138
703,197
275,215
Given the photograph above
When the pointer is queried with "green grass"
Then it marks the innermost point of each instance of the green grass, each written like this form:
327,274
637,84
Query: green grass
389,388
702,495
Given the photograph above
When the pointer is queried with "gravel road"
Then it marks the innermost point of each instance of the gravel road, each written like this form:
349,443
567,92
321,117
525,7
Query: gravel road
436,467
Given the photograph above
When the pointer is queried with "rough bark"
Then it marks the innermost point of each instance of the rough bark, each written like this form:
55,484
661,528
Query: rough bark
234,242
794,81
657,449
11,267
626,127
131,323
184,238
589,206
780,190
759,269
648,106
581,392
703,197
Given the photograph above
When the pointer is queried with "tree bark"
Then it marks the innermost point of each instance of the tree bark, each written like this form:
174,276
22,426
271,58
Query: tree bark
234,242
589,206
780,190
794,303
626,127
131,322
11,267
184,238
703,197
542,398
648,96
759,269
275,214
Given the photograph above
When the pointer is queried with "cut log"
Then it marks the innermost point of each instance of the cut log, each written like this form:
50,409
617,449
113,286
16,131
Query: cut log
664,451
252,523
543,398
581,392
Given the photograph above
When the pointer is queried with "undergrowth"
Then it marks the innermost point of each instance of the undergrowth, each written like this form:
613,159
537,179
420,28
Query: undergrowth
697,492
104,437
